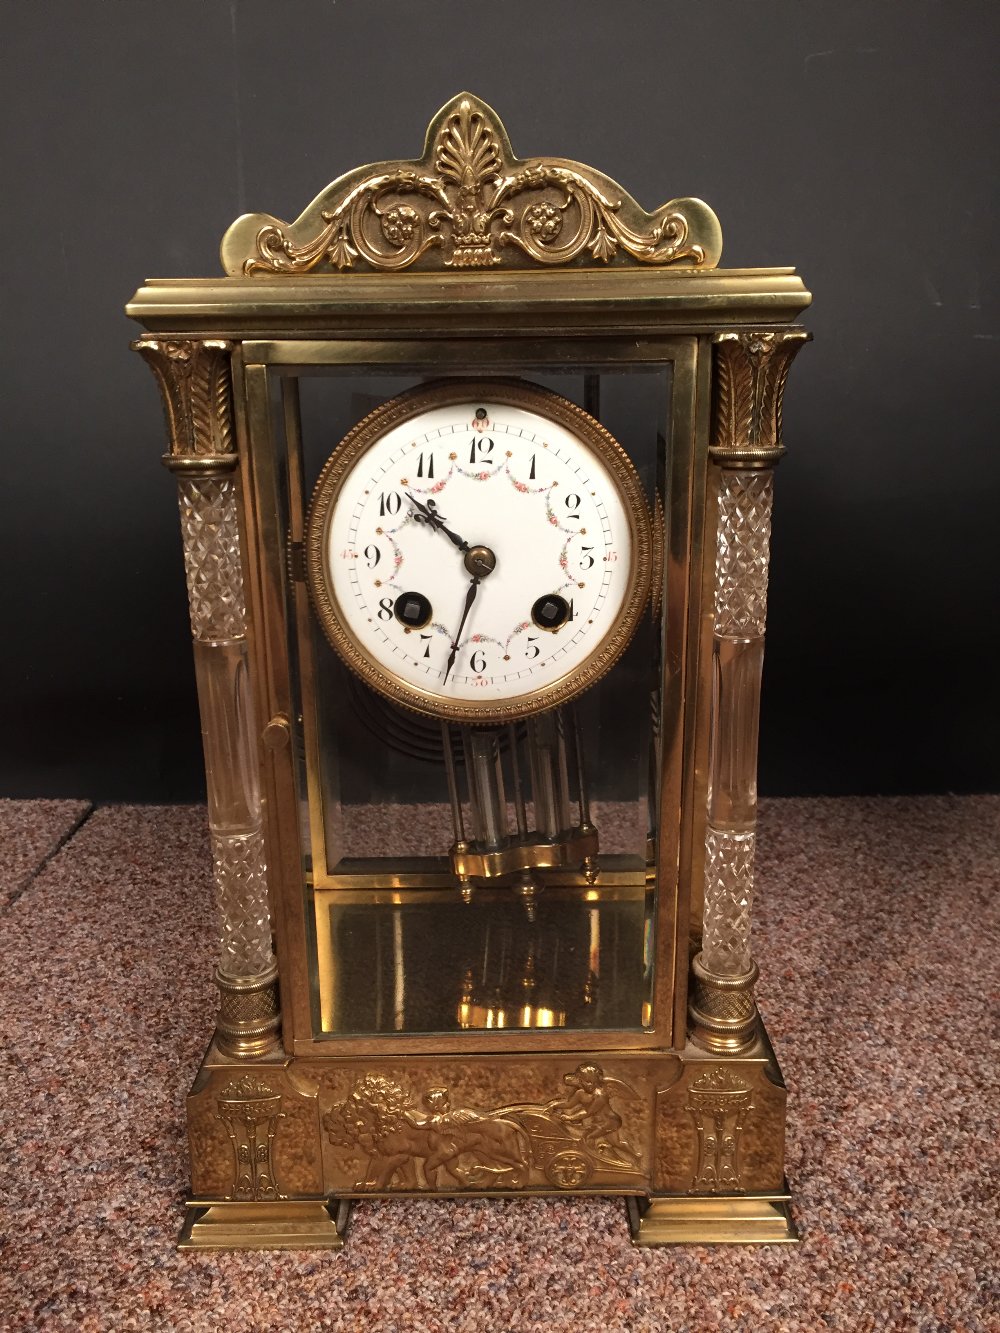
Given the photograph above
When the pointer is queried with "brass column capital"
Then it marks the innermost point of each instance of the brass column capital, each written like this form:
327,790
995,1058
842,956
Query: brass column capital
748,383
195,384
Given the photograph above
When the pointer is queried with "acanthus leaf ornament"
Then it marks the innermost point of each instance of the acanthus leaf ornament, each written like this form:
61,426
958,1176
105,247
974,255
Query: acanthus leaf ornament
469,203
194,380
750,374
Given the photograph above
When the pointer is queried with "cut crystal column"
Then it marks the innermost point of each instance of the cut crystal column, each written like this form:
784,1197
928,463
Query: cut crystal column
749,371
741,563
210,529
195,380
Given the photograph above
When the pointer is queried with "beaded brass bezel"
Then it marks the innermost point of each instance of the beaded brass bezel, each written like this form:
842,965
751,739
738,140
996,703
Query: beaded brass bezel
511,393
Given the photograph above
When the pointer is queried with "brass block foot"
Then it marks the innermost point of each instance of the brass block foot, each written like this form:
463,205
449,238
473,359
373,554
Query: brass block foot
722,1011
744,1219
280,1224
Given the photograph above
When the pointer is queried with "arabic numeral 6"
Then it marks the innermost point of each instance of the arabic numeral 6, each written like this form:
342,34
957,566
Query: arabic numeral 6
478,661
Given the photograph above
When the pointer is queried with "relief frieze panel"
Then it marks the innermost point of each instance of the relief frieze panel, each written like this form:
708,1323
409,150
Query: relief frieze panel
453,1128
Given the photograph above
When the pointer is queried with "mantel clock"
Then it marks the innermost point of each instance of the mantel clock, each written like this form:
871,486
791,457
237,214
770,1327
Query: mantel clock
475,463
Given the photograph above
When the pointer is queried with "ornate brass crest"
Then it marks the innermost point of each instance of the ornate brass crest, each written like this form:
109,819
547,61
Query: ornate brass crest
469,203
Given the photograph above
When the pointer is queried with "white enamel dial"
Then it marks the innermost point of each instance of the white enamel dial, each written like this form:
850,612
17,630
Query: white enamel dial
479,551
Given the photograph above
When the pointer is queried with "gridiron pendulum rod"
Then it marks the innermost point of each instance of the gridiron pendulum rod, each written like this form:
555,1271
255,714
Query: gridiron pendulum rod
590,867
582,795
457,820
520,813
486,794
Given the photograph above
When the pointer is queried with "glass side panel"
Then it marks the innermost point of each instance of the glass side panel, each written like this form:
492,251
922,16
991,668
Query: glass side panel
489,878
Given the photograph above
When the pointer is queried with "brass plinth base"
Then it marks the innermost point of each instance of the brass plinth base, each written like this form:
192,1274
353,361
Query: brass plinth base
282,1145
759,1219
280,1224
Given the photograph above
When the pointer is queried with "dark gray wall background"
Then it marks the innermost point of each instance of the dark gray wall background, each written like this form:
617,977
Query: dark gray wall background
852,139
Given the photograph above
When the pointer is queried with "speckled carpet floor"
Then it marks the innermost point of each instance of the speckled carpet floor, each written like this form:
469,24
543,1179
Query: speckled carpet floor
878,939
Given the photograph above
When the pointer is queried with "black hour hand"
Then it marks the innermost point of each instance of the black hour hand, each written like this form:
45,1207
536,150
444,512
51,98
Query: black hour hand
428,513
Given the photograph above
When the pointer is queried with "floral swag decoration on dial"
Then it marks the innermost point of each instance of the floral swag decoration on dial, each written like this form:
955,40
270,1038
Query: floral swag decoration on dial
474,568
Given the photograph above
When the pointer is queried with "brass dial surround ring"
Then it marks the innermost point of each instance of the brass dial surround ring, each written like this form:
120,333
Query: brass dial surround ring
512,393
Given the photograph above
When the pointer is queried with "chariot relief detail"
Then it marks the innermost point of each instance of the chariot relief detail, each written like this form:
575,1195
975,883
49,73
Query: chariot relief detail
418,1142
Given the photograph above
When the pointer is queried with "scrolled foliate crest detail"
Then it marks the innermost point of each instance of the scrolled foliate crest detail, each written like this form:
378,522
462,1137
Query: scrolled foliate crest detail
469,203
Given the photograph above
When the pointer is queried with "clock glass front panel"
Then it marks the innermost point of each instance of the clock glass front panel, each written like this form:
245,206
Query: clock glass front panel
479,477
394,945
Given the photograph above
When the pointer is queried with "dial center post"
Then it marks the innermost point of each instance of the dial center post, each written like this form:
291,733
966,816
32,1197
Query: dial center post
480,561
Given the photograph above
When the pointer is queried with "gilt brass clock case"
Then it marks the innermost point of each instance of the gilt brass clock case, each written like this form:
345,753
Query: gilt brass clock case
512,957
592,437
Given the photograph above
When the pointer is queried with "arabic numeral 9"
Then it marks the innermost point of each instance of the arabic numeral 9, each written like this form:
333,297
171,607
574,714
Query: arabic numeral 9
373,555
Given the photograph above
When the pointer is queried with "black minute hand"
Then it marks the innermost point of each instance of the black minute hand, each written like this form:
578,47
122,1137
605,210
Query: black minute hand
470,597
428,514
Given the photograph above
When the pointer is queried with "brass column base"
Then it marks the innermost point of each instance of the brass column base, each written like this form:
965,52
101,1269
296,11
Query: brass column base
712,1219
722,1013
280,1224
249,1021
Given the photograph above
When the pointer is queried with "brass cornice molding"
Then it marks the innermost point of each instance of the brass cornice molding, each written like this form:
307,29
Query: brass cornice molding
469,203
194,380
749,375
